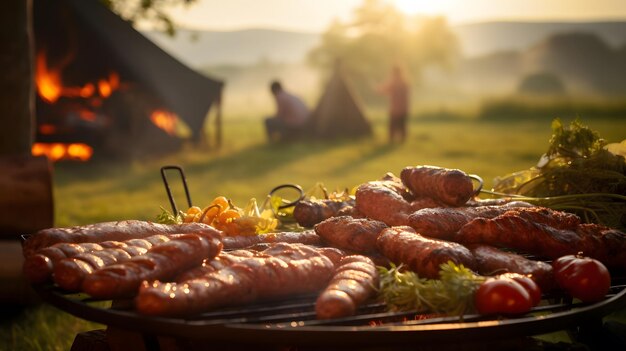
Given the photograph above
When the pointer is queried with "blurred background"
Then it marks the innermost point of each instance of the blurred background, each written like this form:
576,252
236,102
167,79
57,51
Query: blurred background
464,58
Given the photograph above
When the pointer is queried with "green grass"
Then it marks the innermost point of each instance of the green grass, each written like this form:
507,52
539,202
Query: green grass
246,166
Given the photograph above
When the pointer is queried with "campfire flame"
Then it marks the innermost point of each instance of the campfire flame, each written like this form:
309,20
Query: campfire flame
165,120
83,103
50,84
61,151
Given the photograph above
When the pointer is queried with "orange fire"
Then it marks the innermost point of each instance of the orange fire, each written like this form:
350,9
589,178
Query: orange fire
61,151
165,120
50,84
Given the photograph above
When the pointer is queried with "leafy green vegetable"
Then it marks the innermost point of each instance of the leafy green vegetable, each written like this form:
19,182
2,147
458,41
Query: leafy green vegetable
576,174
452,294
167,217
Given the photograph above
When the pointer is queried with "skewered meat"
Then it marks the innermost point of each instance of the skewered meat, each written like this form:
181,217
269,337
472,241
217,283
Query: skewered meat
355,280
163,261
403,245
450,186
117,231
239,242
310,212
493,261
381,201
285,270
445,222
355,234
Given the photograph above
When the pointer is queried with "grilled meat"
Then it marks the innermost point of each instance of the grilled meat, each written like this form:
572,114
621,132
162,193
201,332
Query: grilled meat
450,186
445,222
355,234
310,212
285,270
163,261
69,273
403,245
99,232
512,231
354,281
210,265
381,201
493,261
239,242
38,268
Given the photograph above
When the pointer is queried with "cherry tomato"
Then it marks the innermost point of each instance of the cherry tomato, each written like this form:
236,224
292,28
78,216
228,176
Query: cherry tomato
531,287
502,295
583,278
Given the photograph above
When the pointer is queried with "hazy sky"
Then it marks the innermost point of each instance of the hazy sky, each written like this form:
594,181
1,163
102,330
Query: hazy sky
315,15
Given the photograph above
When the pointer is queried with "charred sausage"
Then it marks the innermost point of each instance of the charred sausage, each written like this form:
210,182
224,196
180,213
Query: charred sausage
355,280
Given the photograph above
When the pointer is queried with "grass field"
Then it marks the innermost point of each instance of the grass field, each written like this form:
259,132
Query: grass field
246,166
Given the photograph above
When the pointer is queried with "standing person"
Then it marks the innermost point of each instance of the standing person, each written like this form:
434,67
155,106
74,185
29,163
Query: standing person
291,115
397,90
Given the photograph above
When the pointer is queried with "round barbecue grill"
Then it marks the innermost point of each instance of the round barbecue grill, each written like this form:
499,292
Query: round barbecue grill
292,321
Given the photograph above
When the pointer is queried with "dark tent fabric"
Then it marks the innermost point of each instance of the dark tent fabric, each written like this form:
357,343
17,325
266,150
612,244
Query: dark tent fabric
338,113
182,90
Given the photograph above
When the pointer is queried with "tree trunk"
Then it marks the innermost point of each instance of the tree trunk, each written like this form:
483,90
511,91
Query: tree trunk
16,70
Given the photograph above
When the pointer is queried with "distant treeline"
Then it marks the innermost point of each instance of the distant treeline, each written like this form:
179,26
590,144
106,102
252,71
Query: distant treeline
507,109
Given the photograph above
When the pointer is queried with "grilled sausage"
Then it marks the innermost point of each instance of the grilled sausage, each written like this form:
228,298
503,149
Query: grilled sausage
310,212
512,231
239,242
223,260
450,186
355,280
163,261
403,245
381,201
445,222
355,234
38,267
493,261
98,232
284,270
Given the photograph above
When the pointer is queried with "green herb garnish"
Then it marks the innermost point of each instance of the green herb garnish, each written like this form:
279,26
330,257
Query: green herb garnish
452,294
576,174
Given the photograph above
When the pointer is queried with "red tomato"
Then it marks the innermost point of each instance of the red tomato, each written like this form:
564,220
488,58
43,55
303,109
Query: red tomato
531,287
581,277
502,295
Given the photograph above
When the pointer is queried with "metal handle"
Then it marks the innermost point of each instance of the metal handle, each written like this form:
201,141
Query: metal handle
296,187
480,183
169,191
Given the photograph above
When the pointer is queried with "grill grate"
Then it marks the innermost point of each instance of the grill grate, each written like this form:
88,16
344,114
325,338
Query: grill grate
292,321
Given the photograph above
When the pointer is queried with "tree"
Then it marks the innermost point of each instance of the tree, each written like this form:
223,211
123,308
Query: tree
378,36
150,10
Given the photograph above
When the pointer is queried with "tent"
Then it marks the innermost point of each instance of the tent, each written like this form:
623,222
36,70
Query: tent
338,113
94,38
